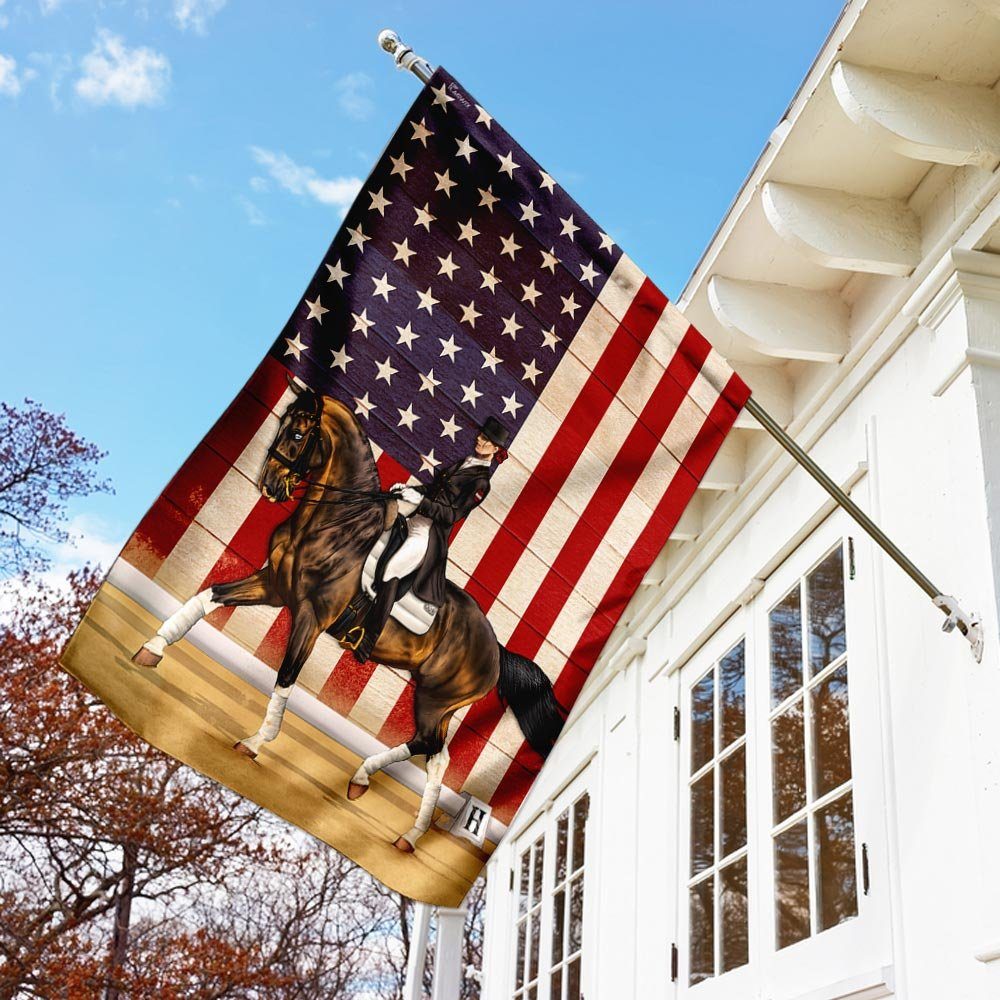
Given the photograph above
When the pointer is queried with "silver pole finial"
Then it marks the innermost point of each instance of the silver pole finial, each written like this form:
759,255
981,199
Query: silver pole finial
404,56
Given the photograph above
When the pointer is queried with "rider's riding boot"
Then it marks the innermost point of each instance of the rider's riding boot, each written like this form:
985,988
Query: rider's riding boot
376,618
356,608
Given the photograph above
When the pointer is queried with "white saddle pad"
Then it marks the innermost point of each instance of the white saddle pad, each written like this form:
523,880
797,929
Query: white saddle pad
411,612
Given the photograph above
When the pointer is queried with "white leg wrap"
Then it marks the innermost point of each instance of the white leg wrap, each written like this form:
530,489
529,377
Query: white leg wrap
377,761
436,767
186,616
271,725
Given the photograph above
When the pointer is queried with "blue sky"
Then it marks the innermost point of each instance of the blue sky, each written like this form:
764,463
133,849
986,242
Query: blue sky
173,171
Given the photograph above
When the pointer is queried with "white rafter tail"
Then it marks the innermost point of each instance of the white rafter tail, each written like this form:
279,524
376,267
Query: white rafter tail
690,523
657,572
771,388
922,117
967,623
780,321
727,468
845,231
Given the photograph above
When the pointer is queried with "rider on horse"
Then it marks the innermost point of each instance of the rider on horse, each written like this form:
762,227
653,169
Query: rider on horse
417,550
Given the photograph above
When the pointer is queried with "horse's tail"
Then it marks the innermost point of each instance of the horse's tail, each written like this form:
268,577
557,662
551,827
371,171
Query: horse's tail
524,687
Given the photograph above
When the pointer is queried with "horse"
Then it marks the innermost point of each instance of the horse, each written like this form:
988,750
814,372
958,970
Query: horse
314,568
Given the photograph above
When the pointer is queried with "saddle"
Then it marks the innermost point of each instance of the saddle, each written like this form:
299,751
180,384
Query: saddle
411,612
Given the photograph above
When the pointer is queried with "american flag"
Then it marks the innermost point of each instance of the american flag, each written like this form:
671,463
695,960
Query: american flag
466,283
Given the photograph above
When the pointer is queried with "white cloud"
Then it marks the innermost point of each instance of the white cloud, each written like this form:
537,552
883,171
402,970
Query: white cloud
49,6
116,74
195,14
336,191
10,83
354,95
259,184
254,215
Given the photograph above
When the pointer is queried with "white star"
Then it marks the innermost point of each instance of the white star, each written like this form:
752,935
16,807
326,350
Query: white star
382,286
531,371
509,246
511,326
316,310
407,417
295,346
427,301
341,359
507,164
365,405
403,252
549,259
428,382
379,201
588,272
407,336
469,314
449,347
424,217
528,214
337,273
569,227
428,461
399,166
470,393
490,280
547,181
485,118
466,149
448,266
551,340
467,232
530,292
606,241
358,239
511,405
450,427
570,305
441,96
385,370
361,322
445,183
487,199
490,359
421,132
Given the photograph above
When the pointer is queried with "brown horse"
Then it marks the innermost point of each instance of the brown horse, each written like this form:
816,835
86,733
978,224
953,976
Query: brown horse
314,569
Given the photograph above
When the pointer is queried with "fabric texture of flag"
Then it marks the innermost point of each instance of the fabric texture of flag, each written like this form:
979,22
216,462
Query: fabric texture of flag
464,284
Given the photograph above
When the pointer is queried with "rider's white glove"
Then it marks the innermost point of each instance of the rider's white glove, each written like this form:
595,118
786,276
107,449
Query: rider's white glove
405,507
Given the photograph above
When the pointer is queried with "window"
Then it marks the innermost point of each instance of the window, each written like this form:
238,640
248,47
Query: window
717,886
812,803
550,880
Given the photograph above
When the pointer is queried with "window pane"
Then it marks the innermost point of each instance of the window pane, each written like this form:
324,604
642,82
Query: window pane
522,896
733,695
703,823
791,889
733,917
702,948
558,922
831,733
562,845
533,993
536,877
536,923
786,647
827,634
702,722
788,753
733,804
556,992
576,915
835,863
573,981
521,931
581,809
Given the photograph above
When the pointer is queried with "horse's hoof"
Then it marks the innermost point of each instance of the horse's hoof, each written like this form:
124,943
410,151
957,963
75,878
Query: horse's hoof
355,790
146,658
244,751
402,844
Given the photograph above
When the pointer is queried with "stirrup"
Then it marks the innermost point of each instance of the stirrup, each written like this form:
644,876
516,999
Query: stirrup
349,641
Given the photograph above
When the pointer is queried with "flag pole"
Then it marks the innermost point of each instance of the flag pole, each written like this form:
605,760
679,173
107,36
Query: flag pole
968,624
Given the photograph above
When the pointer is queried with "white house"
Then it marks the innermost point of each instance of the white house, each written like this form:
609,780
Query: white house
783,780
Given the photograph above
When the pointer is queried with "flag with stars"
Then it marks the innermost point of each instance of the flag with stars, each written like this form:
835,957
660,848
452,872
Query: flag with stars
464,283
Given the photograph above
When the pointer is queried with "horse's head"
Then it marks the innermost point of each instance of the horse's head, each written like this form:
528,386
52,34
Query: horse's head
298,449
